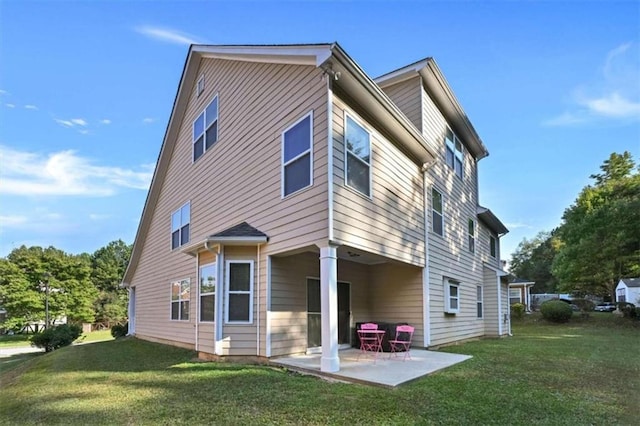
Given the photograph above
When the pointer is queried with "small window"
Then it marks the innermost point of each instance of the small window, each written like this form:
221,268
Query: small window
622,296
180,220
479,301
239,303
358,157
493,246
472,236
454,153
208,277
297,160
205,129
515,296
180,296
437,218
452,296
200,86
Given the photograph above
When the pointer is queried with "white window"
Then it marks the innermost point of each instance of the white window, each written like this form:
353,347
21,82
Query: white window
479,301
180,296
437,217
200,86
493,246
239,300
454,153
451,296
297,157
622,296
357,157
180,220
515,296
208,277
472,236
205,129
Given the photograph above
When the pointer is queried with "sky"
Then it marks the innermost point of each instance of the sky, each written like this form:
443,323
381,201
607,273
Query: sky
86,90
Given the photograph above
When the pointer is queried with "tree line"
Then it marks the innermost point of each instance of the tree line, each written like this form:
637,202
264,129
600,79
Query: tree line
84,288
598,240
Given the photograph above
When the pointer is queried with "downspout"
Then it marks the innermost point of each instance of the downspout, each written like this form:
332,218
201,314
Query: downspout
426,291
258,309
197,296
217,309
330,77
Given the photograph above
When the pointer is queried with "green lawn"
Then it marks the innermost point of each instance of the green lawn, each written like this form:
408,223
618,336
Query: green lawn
585,372
21,340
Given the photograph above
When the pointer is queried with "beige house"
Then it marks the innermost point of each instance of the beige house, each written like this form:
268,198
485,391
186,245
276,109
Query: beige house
294,197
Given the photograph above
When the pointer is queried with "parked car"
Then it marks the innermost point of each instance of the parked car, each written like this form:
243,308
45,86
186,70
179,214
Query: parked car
605,307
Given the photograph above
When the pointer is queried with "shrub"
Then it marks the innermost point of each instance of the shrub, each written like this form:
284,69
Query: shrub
56,337
556,311
628,309
585,306
120,330
517,310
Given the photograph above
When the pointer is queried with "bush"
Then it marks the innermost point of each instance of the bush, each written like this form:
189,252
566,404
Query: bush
56,337
556,311
585,306
120,330
517,310
628,309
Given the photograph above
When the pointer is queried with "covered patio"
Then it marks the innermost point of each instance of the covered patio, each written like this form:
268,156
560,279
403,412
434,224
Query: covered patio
385,372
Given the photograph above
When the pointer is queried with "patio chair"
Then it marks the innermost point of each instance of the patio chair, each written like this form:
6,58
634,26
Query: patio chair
402,341
368,342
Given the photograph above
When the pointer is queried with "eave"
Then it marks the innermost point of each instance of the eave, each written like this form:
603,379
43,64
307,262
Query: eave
491,220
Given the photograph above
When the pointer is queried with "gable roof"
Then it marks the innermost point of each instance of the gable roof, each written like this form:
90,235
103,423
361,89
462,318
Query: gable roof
631,282
491,220
328,56
240,234
437,87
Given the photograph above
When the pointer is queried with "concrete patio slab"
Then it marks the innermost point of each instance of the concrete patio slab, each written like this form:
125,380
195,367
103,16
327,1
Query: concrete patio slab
358,368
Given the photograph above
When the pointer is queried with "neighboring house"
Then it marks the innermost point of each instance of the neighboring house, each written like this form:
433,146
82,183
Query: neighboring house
294,196
520,292
628,290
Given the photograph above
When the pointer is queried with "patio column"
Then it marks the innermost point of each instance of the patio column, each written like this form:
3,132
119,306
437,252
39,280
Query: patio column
329,362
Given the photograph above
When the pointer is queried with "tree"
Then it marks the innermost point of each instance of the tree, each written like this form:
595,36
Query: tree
22,301
533,260
108,266
600,232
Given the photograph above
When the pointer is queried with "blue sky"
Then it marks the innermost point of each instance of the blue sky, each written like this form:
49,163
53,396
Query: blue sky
86,89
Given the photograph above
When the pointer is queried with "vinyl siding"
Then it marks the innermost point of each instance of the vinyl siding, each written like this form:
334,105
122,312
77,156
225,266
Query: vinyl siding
484,248
407,96
391,222
236,180
490,287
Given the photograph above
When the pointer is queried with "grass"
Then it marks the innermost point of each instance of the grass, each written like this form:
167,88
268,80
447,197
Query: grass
22,340
584,372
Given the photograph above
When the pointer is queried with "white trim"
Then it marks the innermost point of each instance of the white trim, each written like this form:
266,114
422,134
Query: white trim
426,293
227,292
493,256
295,54
329,362
268,308
309,151
197,297
361,123
448,283
499,304
330,168
480,300
200,85
131,313
258,301
218,345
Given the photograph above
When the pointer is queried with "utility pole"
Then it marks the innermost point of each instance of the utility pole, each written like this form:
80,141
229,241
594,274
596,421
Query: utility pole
46,277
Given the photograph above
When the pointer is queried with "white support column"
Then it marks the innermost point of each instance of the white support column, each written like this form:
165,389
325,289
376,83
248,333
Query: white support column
330,362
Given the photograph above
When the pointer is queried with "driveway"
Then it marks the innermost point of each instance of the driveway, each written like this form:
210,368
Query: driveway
7,352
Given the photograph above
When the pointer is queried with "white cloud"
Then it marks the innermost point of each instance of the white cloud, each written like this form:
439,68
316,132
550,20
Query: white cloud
72,122
65,123
79,121
3,92
10,105
148,120
99,216
12,221
33,107
517,225
167,35
105,121
615,96
83,132
65,173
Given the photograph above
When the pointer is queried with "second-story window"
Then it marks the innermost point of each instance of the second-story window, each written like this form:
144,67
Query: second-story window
358,157
437,217
297,161
180,220
454,153
493,246
472,236
205,129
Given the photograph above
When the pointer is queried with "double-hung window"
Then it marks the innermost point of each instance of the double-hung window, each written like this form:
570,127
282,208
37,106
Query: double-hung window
493,246
358,157
180,297
239,303
208,278
451,296
205,129
472,236
454,153
297,158
479,301
515,296
622,295
180,226
437,216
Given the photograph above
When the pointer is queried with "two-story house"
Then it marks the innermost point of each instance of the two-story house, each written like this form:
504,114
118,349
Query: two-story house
295,196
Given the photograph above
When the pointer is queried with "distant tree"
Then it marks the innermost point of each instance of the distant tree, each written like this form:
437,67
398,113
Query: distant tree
19,297
108,266
533,260
600,232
